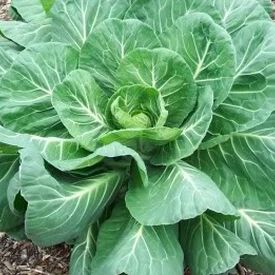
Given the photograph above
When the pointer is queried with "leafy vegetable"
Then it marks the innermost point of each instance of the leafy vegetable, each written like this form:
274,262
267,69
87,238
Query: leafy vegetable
142,132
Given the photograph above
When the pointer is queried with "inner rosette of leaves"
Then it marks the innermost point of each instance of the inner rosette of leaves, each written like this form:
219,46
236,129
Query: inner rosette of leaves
141,132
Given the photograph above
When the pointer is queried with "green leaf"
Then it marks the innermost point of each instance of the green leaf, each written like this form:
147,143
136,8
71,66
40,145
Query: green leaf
251,99
73,21
257,213
257,227
206,48
55,206
132,137
116,149
243,168
136,106
249,154
267,4
8,167
118,38
25,91
6,62
162,14
26,34
17,203
67,155
29,10
126,246
209,247
165,71
84,251
238,14
81,104
64,154
192,132
47,4
174,193
11,49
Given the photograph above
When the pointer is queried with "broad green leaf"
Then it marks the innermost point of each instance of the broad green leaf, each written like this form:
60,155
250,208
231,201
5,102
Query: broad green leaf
55,206
126,246
243,168
118,38
67,155
8,167
258,228
26,34
64,154
256,208
80,105
83,252
176,192
252,98
25,91
29,10
162,14
249,154
131,137
192,132
207,50
165,71
209,247
73,21
238,14
136,106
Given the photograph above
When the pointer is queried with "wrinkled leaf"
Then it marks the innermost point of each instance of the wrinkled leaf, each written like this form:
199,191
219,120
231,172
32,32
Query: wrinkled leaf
206,48
165,71
118,38
251,99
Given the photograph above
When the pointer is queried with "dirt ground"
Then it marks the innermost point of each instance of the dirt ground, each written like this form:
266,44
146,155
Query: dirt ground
23,258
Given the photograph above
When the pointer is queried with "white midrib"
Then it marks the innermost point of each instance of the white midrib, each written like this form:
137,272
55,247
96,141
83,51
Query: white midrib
89,112
254,223
201,61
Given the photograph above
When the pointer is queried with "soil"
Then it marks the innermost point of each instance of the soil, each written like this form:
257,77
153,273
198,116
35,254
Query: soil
19,258
24,258
4,6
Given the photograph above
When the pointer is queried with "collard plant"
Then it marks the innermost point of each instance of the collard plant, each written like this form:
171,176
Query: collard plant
141,132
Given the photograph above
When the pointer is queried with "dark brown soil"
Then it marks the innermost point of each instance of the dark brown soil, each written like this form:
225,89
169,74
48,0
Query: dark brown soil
25,258
4,6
